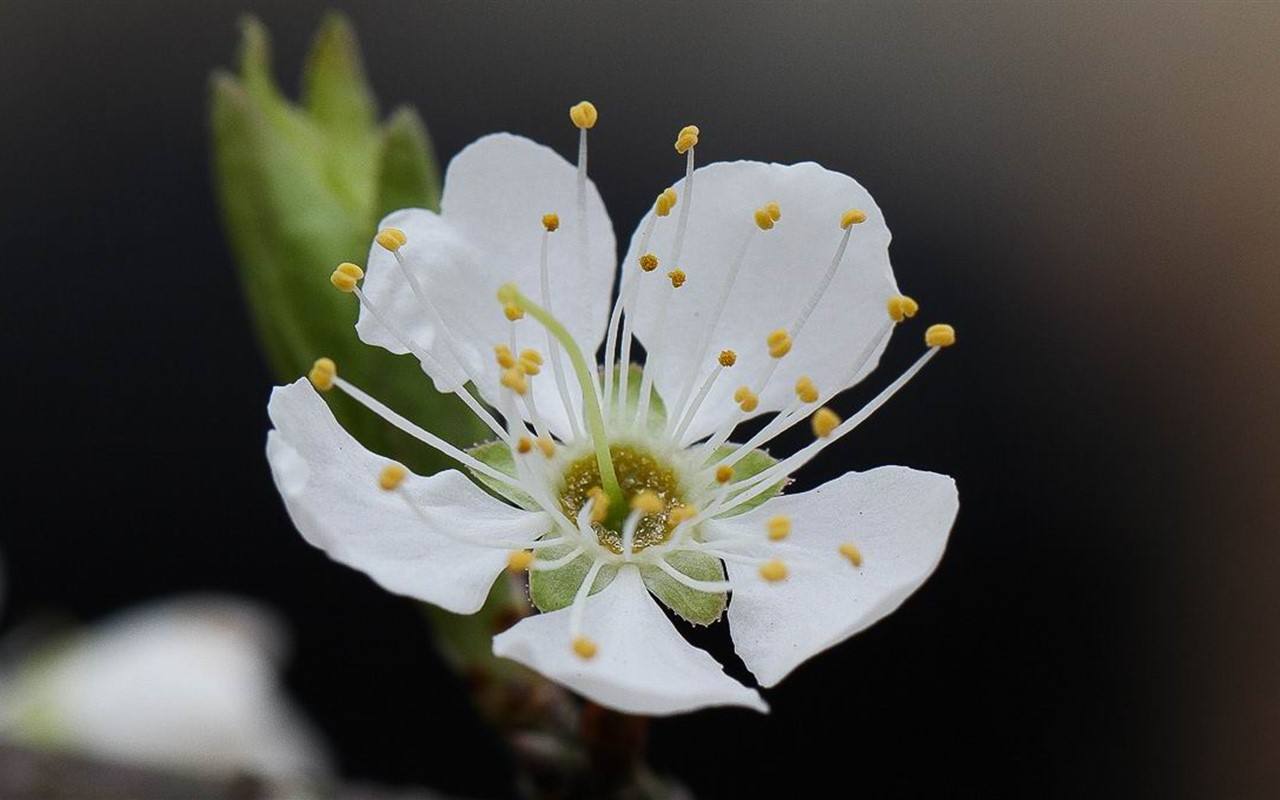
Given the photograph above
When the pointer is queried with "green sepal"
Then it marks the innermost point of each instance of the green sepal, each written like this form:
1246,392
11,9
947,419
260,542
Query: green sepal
752,463
700,608
497,454
657,408
407,175
555,589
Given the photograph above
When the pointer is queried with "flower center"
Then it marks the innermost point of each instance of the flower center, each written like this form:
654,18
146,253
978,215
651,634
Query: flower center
638,471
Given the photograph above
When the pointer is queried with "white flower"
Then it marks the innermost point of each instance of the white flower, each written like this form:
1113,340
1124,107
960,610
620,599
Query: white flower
755,288
189,684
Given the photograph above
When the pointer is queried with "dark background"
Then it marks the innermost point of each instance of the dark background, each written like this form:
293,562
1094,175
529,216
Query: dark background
1087,191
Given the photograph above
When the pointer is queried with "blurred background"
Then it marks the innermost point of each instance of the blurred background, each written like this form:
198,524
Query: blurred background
1089,192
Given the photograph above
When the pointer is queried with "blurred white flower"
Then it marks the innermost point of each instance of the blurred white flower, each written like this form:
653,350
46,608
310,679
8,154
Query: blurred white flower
190,684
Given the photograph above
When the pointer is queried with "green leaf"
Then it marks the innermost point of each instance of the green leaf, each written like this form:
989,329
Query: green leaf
555,589
497,454
754,462
334,89
407,176
700,608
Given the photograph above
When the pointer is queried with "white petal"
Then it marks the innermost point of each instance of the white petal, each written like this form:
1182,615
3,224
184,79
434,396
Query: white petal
186,684
489,232
643,665
330,485
897,517
782,269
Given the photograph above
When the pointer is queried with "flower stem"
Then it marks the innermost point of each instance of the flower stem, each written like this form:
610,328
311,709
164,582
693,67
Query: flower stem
590,403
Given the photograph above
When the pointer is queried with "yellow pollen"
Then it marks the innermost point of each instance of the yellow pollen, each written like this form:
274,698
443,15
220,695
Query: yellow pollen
503,354
778,527
902,307
513,312
342,281
764,220
665,202
806,390
854,216
524,444
519,560
779,343
551,222
600,504
584,115
530,361
773,571
687,138
347,268
680,514
824,422
850,551
746,399
515,380
677,277
584,647
322,373
547,445
391,476
391,239
724,473
646,502
728,358
648,262
940,336
775,210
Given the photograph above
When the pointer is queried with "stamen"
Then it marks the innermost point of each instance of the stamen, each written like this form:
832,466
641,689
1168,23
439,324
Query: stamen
629,526
850,551
519,560
724,474
778,527
588,648
391,476
709,587
902,307
556,563
824,422
547,445
524,445
599,504
940,336
806,389
584,648
726,359
557,367
322,374
773,571
647,502
513,312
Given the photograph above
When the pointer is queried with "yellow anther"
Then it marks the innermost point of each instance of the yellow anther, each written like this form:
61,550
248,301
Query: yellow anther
778,527
515,380
503,354
902,307
727,358
677,277
342,281
665,202
584,115
724,473
513,312
584,647
530,361
824,422
773,571
322,373
854,216
647,502
648,262
524,444
347,268
680,514
507,293
764,221
746,399
599,505
806,390
391,239
519,560
940,336
551,222
687,138
850,551
779,343
391,476
775,210
547,445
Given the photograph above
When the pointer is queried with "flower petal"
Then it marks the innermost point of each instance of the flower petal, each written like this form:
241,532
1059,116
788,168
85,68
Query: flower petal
780,272
489,232
898,518
643,665
330,486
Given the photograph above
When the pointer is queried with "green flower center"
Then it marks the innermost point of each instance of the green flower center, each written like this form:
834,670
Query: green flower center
637,471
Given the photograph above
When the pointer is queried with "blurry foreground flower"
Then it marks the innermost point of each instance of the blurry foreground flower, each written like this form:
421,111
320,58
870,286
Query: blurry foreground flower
189,684
754,288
